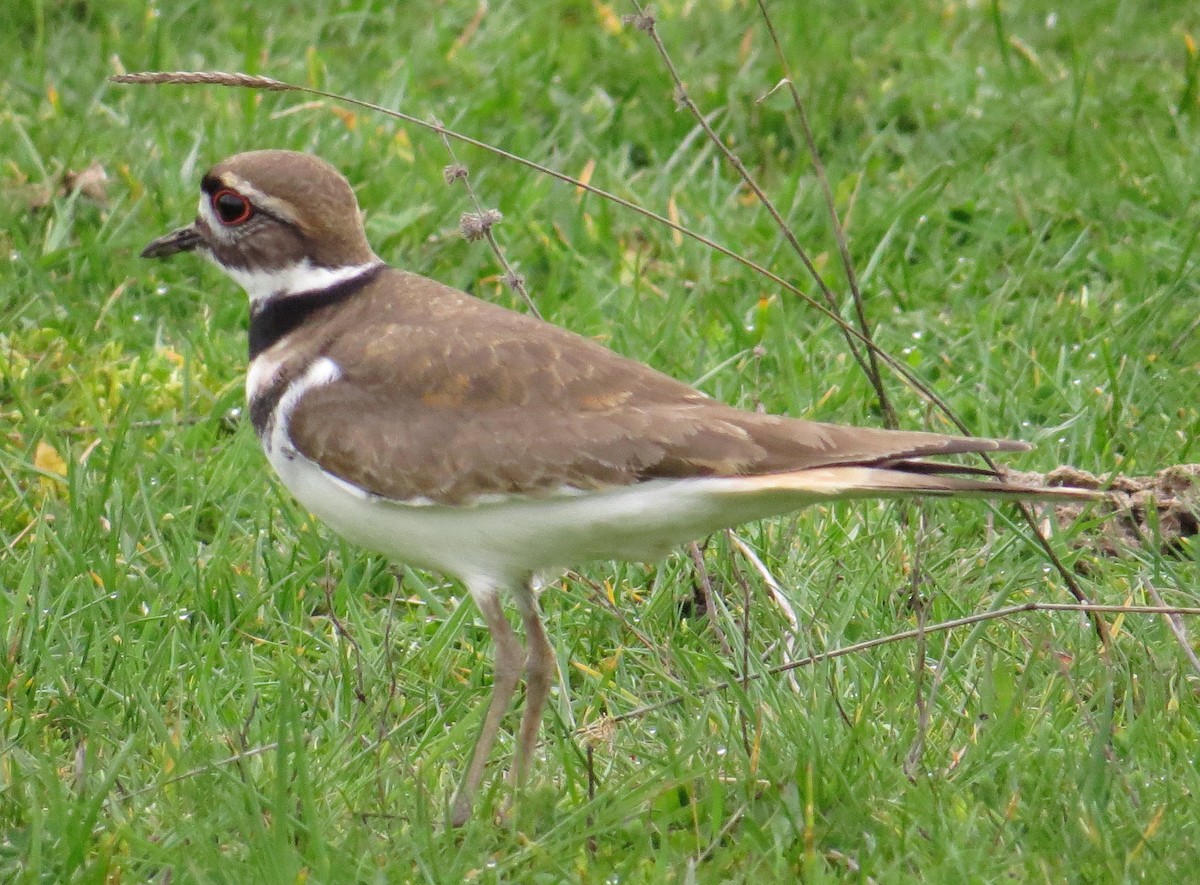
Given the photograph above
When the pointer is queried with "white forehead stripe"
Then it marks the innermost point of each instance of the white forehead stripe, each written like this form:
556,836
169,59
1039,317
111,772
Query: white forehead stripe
281,209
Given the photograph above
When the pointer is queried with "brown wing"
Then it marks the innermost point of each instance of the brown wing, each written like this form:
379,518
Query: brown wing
446,397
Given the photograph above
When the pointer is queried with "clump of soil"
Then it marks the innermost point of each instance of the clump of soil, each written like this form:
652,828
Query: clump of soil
1163,508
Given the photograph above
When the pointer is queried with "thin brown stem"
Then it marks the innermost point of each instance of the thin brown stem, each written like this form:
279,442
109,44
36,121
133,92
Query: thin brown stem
247,81
456,171
646,22
340,629
940,627
920,607
704,582
869,364
1175,622
839,232
745,585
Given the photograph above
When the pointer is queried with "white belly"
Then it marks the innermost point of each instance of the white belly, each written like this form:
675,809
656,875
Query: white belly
506,538
513,537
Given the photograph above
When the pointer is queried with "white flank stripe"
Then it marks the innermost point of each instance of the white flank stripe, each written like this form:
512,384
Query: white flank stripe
323,371
504,541
261,374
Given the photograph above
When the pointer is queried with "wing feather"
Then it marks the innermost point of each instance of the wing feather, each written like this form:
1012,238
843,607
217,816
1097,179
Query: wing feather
446,397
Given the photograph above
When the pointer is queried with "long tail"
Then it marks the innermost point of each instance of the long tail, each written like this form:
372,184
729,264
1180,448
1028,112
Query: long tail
903,480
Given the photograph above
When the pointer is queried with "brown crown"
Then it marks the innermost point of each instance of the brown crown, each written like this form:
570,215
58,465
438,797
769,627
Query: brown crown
304,208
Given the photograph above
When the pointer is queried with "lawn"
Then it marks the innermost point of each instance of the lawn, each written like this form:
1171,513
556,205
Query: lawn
201,684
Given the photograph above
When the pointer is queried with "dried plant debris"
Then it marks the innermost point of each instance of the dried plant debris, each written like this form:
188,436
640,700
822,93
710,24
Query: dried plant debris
1162,509
91,183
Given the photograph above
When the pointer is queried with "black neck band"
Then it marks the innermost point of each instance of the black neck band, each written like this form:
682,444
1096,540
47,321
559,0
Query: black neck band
278,316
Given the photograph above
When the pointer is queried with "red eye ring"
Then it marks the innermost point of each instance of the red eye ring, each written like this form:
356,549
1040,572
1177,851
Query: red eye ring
230,207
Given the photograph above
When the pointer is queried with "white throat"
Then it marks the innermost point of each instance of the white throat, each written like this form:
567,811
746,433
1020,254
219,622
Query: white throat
262,284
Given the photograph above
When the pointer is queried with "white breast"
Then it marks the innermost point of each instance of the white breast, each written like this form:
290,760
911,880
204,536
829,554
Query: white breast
509,538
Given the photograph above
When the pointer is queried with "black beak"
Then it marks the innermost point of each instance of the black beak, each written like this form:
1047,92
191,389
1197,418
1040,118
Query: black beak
186,239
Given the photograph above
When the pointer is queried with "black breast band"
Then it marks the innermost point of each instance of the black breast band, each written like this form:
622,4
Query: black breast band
278,316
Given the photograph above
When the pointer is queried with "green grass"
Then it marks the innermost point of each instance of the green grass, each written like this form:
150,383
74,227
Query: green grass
179,704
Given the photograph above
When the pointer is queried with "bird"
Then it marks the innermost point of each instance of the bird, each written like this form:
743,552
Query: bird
453,434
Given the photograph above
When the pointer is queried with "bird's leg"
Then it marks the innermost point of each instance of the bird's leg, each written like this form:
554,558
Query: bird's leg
509,656
539,676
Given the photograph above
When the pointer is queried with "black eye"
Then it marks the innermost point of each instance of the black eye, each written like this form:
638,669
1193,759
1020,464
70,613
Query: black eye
231,207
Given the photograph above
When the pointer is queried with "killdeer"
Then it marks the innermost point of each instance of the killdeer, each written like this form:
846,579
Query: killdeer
456,435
